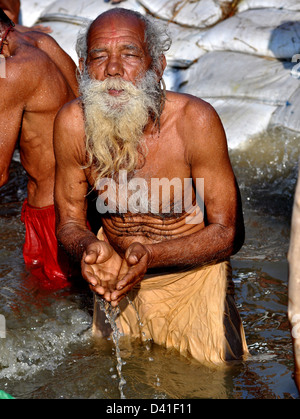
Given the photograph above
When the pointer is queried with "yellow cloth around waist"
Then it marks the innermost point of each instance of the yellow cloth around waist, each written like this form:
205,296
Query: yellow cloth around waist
190,311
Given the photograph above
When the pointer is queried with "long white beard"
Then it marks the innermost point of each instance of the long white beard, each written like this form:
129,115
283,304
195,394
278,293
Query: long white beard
114,125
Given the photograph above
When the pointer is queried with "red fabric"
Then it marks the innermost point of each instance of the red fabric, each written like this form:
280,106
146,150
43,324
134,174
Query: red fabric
43,257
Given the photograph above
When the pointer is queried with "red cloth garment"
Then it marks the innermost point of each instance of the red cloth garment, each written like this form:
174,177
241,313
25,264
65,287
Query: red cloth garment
45,259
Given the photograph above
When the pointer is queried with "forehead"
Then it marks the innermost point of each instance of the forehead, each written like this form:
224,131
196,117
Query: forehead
111,27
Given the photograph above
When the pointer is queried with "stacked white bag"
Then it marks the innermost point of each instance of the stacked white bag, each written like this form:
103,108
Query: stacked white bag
260,4
249,56
197,14
266,32
32,10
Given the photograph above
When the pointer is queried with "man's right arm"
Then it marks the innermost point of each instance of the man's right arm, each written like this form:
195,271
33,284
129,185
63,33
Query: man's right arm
100,264
71,185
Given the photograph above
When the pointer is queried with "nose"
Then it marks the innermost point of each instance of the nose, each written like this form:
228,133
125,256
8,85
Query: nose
114,67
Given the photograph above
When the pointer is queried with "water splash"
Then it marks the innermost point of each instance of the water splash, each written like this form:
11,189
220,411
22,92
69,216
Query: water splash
145,341
43,343
111,314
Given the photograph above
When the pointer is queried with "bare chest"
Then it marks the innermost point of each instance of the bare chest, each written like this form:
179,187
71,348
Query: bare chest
158,185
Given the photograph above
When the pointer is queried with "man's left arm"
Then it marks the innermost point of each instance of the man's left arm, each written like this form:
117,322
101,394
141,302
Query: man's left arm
223,234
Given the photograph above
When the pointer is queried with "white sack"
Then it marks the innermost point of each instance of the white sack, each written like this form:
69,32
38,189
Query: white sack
199,14
242,119
278,4
184,50
173,78
89,9
265,32
31,11
232,74
288,115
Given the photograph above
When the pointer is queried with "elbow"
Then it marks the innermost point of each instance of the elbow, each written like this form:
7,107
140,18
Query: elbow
230,241
237,244
237,238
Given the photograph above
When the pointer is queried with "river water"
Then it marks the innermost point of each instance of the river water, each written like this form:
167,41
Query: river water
48,351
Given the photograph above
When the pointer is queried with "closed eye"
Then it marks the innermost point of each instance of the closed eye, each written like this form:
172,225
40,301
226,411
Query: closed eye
131,55
97,54
132,51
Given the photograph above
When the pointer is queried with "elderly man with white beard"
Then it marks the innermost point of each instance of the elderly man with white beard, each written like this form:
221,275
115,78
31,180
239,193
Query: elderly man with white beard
162,267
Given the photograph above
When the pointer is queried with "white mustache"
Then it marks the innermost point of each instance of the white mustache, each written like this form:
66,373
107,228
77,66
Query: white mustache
116,84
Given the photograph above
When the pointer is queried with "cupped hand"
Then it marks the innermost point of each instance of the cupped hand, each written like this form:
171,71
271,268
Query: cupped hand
132,271
100,266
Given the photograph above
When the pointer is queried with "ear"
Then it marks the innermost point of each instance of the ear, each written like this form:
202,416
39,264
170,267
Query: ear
163,64
81,65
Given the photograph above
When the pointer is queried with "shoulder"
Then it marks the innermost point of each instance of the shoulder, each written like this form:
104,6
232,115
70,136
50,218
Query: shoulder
51,48
26,63
22,76
33,51
41,40
198,123
193,109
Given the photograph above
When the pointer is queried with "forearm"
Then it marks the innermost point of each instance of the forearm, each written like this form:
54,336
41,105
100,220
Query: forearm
212,243
75,239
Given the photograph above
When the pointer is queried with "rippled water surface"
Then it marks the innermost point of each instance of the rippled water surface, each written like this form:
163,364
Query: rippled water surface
48,351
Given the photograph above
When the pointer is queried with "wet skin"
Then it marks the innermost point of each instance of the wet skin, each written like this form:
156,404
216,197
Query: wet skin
40,79
191,143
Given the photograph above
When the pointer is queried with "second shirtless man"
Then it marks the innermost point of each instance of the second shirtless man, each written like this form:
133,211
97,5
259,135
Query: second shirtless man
175,273
37,79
